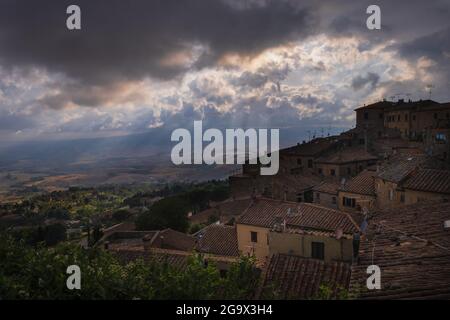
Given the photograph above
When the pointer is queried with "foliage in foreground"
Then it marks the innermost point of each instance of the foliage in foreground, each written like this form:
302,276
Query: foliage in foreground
40,273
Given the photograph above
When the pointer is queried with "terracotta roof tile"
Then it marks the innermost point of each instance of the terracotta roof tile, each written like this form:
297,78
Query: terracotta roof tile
177,260
363,183
296,277
230,207
398,168
312,148
218,240
171,239
264,213
412,248
296,182
347,155
429,180
327,187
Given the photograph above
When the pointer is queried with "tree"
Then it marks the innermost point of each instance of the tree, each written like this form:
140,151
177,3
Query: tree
54,233
97,234
166,213
40,273
121,215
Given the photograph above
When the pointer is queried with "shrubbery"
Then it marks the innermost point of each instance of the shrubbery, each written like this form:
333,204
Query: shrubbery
40,273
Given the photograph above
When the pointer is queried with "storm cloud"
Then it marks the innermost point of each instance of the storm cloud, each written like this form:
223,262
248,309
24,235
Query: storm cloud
370,78
123,40
159,64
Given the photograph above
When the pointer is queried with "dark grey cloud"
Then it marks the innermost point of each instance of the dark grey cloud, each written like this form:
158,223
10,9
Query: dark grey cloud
122,40
370,78
435,46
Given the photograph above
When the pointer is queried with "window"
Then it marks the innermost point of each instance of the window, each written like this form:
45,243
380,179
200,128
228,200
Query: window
318,250
362,141
414,117
349,171
348,202
402,198
310,163
299,162
333,200
366,115
435,116
299,199
391,194
440,137
406,117
398,118
319,170
333,172
318,197
254,236
381,116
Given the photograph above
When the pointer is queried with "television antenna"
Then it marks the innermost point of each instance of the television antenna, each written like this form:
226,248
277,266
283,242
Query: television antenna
430,88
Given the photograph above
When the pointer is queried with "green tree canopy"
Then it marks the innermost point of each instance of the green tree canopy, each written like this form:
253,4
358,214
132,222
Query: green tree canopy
166,213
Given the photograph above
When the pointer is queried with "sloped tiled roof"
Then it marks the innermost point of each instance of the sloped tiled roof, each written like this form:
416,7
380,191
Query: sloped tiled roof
230,207
233,207
218,240
171,239
327,187
295,277
205,215
296,182
347,155
377,105
175,258
398,168
363,183
429,180
178,260
312,148
264,213
412,249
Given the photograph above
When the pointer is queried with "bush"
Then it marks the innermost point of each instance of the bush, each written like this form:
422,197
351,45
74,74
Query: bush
40,273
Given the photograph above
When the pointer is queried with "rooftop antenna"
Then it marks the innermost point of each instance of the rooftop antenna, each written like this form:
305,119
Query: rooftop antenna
430,88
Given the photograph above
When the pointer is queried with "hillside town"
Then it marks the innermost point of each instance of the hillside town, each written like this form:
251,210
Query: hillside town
377,194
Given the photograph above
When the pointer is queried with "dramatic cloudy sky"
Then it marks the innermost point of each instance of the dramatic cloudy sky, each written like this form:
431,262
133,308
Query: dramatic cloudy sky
139,65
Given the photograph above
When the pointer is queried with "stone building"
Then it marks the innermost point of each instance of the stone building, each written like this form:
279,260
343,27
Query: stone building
427,185
326,194
346,162
358,194
270,227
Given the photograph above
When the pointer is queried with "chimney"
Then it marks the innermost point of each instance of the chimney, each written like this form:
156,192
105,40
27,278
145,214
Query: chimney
447,225
278,225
